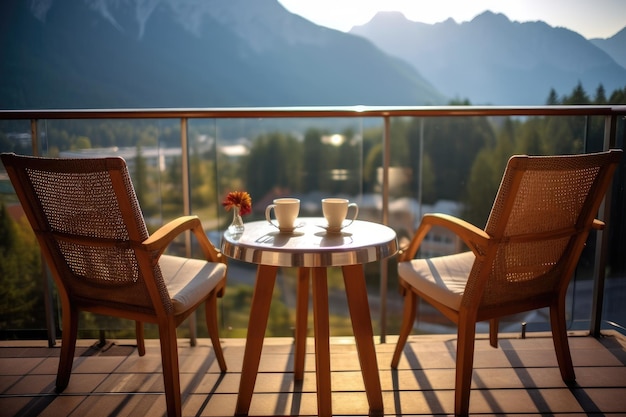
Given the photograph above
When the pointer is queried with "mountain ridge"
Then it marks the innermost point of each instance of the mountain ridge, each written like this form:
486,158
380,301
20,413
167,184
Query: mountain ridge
492,60
81,55
615,46
237,53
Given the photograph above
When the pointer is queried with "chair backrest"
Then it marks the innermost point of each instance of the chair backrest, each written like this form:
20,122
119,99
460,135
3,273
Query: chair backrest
88,222
539,222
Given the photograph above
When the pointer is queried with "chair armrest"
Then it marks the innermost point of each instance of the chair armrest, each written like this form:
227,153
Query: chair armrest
476,239
160,239
598,224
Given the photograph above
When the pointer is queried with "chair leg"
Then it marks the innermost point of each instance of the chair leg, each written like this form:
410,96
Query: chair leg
561,344
408,318
464,365
169,360
68,348
302,312
213,328
139,334
493,332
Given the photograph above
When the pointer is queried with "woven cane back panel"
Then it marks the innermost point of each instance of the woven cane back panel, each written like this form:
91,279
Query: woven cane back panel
549,199
84,204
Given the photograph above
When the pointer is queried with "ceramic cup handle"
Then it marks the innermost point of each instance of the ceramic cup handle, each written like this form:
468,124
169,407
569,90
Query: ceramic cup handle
356,213
268,216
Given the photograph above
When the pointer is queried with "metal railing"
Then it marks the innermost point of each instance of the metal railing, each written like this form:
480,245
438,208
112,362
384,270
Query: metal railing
611,115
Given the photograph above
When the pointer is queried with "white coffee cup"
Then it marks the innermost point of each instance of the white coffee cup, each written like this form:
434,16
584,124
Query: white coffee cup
335,211
286,211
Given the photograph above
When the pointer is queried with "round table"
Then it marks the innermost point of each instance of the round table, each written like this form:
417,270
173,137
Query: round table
311,249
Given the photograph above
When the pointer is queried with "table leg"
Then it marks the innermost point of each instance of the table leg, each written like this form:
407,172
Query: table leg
322,343
259,312
356,293
302,310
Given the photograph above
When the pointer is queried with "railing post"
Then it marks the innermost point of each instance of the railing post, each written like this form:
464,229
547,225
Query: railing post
45,277
384,270
34,138
602,236
185,175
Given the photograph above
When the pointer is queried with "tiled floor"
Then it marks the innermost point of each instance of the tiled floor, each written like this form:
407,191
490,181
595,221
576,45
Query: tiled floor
519,378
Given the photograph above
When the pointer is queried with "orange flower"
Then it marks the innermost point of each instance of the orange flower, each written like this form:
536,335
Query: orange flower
239,199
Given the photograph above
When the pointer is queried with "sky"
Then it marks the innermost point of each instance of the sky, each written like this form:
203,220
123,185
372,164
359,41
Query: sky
590,18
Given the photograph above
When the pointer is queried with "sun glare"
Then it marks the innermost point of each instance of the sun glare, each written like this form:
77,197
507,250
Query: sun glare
335,139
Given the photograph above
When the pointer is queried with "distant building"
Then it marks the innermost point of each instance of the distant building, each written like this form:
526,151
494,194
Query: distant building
405,215
155,157
22,138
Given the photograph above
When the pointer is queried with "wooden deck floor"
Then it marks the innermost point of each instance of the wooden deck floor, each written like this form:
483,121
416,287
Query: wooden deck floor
519,378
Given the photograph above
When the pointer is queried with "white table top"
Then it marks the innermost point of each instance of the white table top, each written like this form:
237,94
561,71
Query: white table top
309,245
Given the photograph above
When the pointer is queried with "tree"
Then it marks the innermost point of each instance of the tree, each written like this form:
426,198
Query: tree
553,98
317,160
203,190
82,142
172,194
486,174
346,165
140,180
7,234
274,162
451,145
372,161
579,96
21,297
600,97
530,140
618,96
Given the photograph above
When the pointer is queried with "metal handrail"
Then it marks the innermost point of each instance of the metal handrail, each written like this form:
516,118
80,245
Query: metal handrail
314,112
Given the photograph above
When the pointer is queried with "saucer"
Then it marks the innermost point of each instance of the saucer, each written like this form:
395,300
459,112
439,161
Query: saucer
289,229
331,229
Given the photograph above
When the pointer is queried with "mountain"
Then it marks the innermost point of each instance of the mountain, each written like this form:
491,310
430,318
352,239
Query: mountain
491,60
190,53
615,46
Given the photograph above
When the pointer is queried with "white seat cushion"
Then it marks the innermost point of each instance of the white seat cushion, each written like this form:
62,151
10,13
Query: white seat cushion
188,281
442,278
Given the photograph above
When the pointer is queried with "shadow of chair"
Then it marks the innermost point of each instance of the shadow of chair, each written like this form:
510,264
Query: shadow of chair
92,234
523,260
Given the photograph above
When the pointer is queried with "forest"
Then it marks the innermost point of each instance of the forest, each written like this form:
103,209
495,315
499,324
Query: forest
463,160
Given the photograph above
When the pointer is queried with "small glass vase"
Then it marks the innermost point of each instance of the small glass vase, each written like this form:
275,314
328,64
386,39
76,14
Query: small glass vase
236,227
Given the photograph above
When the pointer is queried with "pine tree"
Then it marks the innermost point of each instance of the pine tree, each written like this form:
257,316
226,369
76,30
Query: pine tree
553,98
600,95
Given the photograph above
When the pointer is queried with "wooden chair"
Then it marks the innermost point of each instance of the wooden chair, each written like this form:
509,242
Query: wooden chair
523,260
88,222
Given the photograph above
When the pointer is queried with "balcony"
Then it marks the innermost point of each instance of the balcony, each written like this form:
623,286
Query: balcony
521,377
191,151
